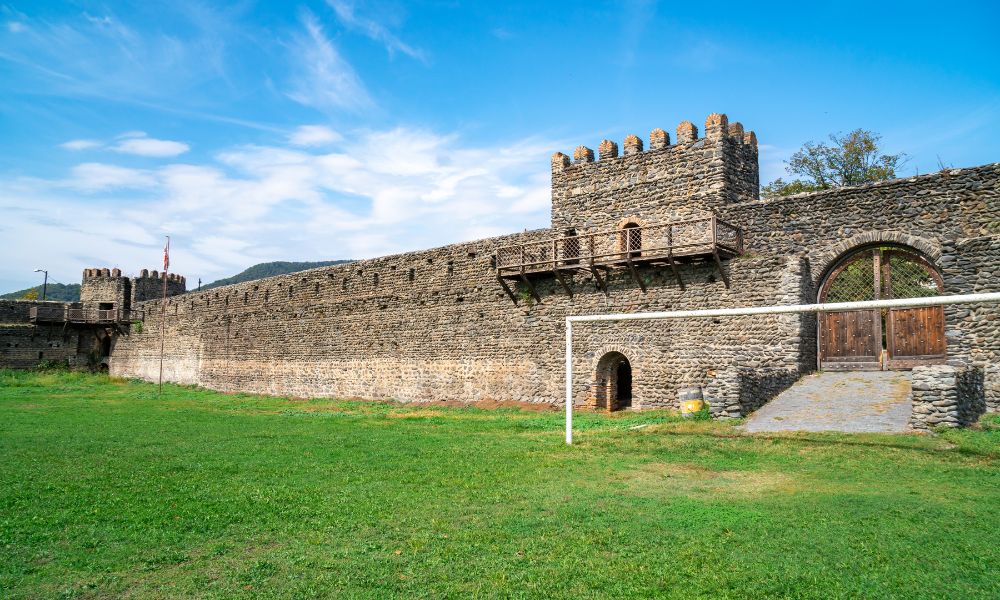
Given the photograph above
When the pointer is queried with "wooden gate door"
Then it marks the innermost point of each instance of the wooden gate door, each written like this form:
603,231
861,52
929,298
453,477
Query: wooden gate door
852,339
876,339
914,336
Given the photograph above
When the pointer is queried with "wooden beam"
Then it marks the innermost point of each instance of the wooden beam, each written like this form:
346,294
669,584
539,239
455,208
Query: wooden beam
635,274
673,267
562,281
601,285
507,289
718,263
531,288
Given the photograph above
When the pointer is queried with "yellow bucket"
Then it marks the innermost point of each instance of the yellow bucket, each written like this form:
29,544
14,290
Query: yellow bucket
689,407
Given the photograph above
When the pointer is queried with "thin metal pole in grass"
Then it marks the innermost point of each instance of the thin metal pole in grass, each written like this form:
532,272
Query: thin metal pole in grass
163,312
752,310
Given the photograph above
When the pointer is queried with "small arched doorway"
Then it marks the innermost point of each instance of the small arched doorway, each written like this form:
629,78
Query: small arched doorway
631,239
613,382
897,338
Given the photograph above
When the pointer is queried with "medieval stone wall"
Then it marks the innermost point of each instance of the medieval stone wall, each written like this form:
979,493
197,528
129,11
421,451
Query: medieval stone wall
24,345
436,325
971,266
448,332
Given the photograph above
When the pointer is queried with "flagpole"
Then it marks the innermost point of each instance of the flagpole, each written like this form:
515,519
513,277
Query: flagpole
163,311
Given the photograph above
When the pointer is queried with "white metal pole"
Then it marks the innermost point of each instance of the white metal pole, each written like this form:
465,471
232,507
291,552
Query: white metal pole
569,382
793,308
751,310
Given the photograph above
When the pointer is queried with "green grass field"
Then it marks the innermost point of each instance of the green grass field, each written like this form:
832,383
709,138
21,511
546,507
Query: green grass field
108,491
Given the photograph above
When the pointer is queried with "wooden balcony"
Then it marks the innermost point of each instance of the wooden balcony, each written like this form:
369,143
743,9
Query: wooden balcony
85,316
664,245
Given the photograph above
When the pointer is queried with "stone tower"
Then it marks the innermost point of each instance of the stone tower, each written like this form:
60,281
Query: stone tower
662,183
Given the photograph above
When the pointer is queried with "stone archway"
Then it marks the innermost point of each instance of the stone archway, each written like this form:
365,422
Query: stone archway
824,260
897,338
613,381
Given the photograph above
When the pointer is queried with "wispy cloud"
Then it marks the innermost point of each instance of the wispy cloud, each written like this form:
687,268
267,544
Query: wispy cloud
77,145
131,142
92,177
347,14
314,135
323,78
139,144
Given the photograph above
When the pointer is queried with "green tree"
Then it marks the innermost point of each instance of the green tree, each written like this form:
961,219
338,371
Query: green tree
31,294
850,159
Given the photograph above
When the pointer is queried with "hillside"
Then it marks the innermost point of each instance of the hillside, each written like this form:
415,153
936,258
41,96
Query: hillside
56,291
270,269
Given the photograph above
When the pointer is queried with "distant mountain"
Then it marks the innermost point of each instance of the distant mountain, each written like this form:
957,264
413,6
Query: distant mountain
55,291
270,269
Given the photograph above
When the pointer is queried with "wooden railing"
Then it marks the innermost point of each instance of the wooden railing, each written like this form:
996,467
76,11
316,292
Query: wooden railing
67,314
707,236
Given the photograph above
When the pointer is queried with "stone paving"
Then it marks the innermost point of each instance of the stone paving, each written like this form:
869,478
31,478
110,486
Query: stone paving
854,402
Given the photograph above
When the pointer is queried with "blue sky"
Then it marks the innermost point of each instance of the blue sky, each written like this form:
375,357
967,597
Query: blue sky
324,129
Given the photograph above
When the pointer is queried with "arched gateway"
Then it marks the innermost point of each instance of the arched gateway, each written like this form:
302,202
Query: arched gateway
613,382
898,338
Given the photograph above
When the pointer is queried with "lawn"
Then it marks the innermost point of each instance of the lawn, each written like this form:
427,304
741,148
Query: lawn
107,490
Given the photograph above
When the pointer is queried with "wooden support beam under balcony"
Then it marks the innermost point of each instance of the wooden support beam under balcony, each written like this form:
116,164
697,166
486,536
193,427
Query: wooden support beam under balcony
666,245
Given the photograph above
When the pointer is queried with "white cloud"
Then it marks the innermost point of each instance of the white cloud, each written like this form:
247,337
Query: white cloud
77,145
15,26
375,30
396,190
100,176
136,143
323,79
314,135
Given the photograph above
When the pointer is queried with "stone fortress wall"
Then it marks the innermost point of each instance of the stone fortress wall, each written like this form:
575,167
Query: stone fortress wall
436,324
82,341
23,345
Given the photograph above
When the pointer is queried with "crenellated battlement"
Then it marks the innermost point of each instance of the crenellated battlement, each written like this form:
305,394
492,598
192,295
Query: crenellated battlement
149,285
658,184
105,273
101,272
101,285
717,128
156,275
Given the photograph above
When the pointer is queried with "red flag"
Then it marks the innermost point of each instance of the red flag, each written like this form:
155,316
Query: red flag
166,255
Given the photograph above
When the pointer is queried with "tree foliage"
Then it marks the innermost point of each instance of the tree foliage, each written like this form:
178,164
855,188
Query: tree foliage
850,159
31,294
56,291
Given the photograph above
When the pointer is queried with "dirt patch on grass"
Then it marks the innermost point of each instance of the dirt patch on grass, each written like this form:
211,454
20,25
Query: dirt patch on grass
666,479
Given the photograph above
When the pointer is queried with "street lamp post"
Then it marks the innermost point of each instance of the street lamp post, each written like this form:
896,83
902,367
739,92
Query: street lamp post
45,285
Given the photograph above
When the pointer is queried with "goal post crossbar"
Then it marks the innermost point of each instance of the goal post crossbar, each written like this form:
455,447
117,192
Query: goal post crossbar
752,310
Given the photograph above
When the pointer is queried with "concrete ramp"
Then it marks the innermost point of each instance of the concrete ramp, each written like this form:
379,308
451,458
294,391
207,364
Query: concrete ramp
854,402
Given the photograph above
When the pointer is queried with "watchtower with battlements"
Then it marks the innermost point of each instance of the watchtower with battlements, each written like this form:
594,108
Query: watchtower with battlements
666,182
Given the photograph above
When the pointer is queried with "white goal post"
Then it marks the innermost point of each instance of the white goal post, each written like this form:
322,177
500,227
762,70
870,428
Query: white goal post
751,310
